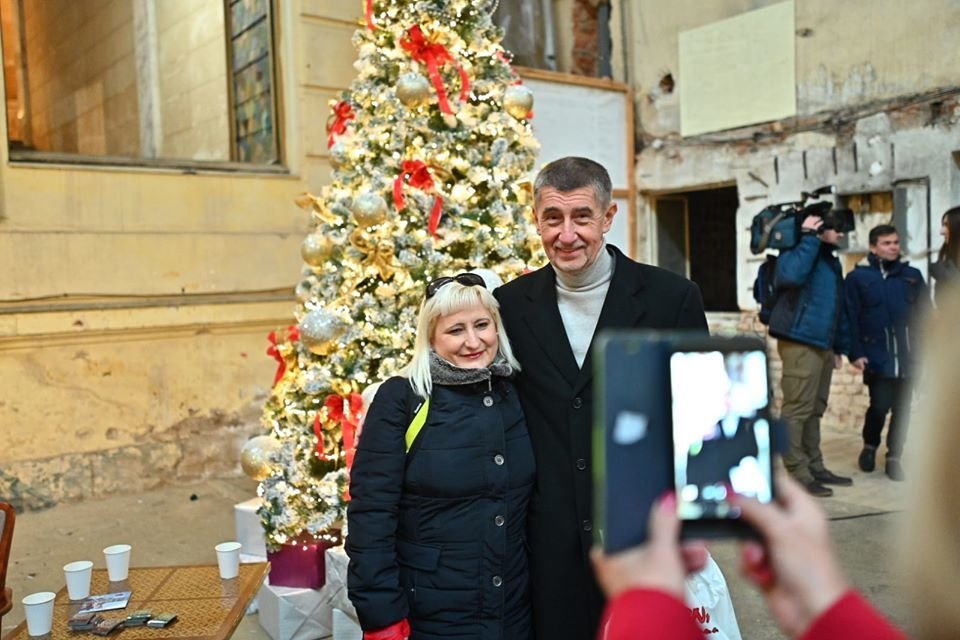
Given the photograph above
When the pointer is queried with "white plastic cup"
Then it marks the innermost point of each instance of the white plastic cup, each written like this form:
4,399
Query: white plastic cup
228,559
78,579
39,609
118,561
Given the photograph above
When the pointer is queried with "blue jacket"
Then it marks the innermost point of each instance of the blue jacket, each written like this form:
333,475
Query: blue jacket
881,301
438,535
809,289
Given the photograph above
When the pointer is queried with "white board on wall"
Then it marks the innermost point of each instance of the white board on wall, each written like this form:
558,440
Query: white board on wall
571,120
580,120
738,71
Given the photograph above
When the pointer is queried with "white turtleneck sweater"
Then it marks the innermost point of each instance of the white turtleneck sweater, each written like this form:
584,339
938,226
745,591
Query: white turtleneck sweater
580,298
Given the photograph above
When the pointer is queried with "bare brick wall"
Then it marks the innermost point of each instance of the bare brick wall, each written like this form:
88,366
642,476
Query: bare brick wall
585,50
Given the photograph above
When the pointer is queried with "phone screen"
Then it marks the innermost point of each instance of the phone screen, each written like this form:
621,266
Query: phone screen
721,431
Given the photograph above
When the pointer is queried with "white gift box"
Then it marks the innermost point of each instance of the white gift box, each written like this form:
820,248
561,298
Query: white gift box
249,529
335,562
345,627
288,613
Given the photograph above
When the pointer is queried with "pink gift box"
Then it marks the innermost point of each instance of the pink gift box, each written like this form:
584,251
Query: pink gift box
300,564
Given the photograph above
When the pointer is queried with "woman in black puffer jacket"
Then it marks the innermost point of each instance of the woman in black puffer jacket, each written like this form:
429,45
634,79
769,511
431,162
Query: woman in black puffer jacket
437,534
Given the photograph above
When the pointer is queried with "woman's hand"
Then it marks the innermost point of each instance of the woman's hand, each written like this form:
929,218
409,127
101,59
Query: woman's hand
795,568
660,564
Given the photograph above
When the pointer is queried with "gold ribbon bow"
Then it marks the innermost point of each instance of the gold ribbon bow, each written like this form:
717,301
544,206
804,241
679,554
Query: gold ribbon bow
379,254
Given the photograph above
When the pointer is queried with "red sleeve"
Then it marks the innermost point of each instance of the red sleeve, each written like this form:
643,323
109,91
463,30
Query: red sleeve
853,618
647,613
396,631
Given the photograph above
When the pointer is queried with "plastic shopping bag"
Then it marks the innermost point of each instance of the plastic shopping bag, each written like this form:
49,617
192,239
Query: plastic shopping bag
708,598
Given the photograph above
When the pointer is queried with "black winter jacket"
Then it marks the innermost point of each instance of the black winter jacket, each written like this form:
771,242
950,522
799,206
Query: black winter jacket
438,536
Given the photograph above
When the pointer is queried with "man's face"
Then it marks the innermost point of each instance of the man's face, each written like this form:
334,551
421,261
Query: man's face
571,225
887,247
831,236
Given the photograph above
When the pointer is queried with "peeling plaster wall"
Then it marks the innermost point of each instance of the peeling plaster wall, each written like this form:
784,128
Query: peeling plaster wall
847,53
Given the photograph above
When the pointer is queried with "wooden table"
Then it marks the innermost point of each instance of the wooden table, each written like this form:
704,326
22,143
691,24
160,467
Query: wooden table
207,607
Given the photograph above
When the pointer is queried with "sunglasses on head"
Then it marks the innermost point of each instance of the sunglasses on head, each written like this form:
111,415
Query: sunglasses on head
466,279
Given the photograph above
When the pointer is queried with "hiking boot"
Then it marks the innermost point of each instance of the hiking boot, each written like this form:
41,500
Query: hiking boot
814,488
829,477
894,469
868,459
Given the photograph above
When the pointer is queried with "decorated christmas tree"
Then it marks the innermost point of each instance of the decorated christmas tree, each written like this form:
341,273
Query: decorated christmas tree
432,151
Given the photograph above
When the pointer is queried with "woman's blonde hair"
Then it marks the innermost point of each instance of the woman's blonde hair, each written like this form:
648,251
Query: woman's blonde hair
931,533
450,298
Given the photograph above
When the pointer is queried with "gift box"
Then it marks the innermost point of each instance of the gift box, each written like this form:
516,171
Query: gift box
302,562
345,627
295,614
336,561
249,529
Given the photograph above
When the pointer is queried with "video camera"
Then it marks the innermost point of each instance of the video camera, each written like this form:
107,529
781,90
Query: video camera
778,226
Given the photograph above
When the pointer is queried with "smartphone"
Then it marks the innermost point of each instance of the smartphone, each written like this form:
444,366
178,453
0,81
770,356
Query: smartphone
722,436
632,450
680,412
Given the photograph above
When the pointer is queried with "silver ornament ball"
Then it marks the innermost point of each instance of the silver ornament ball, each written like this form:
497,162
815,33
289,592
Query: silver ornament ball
413,89
338,155
518,101
257,457
369,210
319,331
316,249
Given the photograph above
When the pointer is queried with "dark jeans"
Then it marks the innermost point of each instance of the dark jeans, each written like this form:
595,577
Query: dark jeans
887,395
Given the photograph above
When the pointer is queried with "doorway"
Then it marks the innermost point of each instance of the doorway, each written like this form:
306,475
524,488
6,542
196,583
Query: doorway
696,237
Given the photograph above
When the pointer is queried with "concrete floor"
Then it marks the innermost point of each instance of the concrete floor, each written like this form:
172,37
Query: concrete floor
181,524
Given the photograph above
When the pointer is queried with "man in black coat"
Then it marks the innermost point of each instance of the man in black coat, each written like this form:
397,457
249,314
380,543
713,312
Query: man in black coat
551,316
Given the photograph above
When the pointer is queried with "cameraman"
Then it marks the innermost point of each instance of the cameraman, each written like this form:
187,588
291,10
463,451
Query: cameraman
811,328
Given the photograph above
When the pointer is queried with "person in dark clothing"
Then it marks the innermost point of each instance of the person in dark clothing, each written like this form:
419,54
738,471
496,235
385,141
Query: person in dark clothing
811,328
883,298
437,534
946,270
552,316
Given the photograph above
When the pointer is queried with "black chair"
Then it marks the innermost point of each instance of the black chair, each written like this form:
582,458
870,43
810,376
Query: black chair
7,517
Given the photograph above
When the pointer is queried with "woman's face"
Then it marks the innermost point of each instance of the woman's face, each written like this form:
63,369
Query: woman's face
467,338
944,229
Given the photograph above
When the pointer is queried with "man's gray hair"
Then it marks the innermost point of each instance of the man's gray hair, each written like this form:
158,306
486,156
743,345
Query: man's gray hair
570,173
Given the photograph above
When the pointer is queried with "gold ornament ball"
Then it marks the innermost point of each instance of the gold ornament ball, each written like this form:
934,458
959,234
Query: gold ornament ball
256,458
413,89
369,210
518,101
316,249
319,331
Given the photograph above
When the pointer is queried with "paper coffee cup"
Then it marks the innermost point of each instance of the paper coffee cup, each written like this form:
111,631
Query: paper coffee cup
77,575
39,610
118,561
228,559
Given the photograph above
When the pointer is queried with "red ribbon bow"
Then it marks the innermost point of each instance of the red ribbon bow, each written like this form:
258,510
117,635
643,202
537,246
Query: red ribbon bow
342,114
293,334
348,411
417,175
434,56
369,14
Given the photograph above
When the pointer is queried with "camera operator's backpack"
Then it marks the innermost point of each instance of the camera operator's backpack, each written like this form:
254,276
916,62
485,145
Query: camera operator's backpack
763,291
775,227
